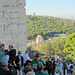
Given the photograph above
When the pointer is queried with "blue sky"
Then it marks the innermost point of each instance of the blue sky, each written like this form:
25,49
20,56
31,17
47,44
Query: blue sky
57,8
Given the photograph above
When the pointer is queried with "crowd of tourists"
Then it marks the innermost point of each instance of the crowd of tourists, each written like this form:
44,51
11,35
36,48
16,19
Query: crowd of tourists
10,64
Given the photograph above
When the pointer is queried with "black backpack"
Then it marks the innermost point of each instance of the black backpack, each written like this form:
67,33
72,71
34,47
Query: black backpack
49,65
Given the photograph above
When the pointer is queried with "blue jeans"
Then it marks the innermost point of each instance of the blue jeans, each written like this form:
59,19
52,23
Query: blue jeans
68,71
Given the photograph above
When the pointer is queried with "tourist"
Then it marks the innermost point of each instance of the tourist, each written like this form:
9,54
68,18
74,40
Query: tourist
46,57
27,69
49,65
68,68
6,57
61,66
64,67
4,70
3,49
12,53
19,63
0,53
53,60
28,63
35,61
26,57
40,68
58,61
57,69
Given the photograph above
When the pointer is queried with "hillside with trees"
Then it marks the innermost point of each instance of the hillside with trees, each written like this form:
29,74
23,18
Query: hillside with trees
54,46
48,26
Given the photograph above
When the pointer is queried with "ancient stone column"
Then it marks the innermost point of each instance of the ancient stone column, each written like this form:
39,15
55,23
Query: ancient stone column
13,24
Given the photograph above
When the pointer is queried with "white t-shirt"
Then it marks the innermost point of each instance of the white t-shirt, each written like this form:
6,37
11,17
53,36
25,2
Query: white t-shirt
68,66
6,58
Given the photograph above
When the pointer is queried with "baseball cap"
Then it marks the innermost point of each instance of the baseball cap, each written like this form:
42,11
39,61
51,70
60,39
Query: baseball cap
37,55
27,51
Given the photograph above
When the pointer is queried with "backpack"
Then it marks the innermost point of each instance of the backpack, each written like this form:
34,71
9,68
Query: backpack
49,65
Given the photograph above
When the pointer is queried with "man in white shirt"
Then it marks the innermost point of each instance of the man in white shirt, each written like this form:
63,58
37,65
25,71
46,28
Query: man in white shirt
6,57
26,57
68,68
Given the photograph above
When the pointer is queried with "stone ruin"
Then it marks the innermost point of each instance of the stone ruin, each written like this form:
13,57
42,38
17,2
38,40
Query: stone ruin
13,24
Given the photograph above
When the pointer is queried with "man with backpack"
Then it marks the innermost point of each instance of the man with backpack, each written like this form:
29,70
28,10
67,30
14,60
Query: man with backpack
64,67
49,66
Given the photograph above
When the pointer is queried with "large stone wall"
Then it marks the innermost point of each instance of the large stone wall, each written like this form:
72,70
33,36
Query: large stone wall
13,23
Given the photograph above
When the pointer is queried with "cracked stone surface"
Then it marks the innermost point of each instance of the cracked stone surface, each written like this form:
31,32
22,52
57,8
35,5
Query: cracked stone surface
13,24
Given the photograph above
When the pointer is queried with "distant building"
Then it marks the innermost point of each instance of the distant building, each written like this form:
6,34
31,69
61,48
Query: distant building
39,39
35,45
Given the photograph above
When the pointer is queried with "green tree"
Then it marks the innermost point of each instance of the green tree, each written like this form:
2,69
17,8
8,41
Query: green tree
54,46
69,47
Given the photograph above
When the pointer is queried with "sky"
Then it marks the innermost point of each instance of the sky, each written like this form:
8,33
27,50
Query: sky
55,8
